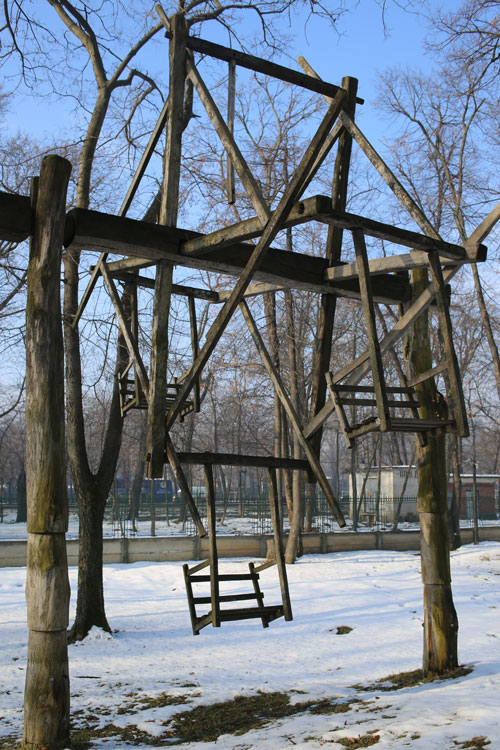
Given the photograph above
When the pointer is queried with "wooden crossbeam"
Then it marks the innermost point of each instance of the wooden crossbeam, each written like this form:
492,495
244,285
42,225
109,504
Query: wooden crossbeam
271,229
237,459
403,262
291,413
259,65
93,230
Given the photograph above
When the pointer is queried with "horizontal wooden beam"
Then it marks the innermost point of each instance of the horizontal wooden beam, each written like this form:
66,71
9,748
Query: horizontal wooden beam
260,65
180,289
237,459
396,235
16,217
93,230
404,262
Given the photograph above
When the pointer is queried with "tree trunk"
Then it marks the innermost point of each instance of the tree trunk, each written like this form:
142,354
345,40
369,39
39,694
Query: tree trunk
46,697
90,610
21,497
440,618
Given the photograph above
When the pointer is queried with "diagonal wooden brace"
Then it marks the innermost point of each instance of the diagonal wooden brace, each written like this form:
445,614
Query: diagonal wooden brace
272,228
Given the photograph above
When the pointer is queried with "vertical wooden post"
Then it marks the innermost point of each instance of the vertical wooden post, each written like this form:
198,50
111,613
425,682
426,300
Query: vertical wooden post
321,362
231,97
440,617
156,432
46,698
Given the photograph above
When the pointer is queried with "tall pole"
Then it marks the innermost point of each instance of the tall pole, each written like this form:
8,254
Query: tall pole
475,509
46,697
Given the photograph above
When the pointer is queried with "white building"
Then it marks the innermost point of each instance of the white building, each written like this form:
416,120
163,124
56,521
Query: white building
390,480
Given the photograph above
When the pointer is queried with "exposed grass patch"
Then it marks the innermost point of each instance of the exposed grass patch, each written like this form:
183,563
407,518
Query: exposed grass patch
343,630
411,679
82,739
243,713
367,740
159,701
476,743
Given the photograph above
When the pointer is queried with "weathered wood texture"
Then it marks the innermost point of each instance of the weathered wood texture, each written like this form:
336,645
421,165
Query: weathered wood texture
169,205
236,459
46,701
440,619
321,361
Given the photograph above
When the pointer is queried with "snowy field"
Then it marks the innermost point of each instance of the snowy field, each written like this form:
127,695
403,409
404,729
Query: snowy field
152,667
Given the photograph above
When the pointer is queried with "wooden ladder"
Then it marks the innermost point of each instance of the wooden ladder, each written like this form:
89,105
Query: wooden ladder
217,614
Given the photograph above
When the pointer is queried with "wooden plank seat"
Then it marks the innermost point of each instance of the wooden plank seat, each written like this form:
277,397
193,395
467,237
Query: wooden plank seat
217,614
194,576
132,395
347,395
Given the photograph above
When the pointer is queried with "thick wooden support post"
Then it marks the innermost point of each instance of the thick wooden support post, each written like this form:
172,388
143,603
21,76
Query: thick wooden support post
274,501
195,349
46,699
212,550
321,363
157,407
440,619
271,229
291,413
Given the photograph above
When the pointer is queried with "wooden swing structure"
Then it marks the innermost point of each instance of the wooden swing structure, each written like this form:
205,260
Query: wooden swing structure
260,268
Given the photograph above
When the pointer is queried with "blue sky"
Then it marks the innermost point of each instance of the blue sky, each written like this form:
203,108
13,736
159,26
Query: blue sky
360,48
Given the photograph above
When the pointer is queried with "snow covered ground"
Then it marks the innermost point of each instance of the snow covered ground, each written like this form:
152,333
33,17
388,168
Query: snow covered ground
132,677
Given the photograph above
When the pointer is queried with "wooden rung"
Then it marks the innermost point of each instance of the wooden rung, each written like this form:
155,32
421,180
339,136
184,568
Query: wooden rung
400,424
247,613
372,402
225,577
226,598
338,388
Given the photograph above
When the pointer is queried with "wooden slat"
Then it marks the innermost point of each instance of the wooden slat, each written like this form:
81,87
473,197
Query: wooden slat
237,459
198,567
270,231
343,387
223,577
259,596
248,613
291,413
398,404
227,598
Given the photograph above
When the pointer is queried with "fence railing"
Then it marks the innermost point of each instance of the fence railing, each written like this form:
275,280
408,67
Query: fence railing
248,514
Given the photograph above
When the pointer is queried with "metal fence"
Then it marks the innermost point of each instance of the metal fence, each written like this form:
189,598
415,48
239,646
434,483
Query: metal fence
250,514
